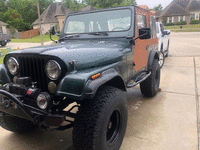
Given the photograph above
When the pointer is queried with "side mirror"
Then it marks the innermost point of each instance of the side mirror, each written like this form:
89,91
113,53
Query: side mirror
144,33
52,30
166,32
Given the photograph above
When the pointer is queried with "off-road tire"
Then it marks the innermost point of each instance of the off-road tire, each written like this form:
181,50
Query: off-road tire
16,124
150,86
93,129
3,43
161,58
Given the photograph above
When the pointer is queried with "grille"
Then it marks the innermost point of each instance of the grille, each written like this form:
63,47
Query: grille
34,68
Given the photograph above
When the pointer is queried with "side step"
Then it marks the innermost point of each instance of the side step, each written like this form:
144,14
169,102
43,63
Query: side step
139,79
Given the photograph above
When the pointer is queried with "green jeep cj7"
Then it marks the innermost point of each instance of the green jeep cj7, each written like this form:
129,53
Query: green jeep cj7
98,56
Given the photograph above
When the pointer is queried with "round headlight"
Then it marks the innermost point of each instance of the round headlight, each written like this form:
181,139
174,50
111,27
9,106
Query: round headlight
43,100
13,65
53,70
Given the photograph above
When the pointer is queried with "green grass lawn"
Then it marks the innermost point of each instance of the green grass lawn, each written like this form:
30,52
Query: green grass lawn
186,30
194,26
36,39
4,51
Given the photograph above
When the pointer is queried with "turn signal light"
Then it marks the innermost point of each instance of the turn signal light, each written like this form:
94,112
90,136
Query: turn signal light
96,76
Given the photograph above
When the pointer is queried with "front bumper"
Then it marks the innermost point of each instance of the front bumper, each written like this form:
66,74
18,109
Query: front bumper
13,105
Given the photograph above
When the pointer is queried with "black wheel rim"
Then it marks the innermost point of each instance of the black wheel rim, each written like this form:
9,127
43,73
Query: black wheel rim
161,59
113,127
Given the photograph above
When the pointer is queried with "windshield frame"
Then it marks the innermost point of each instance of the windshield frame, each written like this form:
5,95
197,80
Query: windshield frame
131,8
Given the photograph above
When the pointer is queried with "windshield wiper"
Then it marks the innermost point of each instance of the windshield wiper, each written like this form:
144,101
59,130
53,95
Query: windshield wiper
98,33
69,36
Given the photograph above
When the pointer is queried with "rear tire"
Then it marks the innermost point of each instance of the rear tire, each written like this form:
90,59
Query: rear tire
100,123
3,44
16,124
150,86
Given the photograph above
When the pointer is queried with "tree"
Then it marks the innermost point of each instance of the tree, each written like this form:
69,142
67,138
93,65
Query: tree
109,3
74,4
14,19
28,10
158,7
3,8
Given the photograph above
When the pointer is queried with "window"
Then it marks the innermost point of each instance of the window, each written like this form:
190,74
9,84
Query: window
76,27
1,30
181,18
170,19
141,21
119,23
192,16
116,20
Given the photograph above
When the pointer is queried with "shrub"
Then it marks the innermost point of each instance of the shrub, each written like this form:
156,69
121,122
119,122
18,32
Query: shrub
181,23
47,33
169,24
194,21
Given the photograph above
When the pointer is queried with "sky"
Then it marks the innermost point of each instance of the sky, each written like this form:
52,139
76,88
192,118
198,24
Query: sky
150,3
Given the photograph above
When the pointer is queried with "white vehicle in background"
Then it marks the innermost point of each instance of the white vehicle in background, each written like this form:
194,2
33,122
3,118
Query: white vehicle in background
163,38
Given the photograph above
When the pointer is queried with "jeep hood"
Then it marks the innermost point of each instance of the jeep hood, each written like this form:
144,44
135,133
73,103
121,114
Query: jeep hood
86,54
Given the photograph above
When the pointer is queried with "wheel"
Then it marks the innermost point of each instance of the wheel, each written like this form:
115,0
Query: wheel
16,124
167,54
161,59
3,43
150,86
100,123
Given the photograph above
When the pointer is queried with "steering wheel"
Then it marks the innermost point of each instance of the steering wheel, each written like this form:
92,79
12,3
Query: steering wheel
117,28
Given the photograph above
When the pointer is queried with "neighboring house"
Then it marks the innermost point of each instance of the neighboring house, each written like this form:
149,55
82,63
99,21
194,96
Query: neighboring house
3,27
51,16
55,15
180,10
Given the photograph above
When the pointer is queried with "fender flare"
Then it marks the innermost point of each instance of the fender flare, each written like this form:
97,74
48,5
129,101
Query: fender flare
108,77
153,55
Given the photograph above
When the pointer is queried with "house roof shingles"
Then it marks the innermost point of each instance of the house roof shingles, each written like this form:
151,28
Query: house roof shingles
57,9
183,3
90,7
158,12
48,16
62,10
193,6
174,9
2,23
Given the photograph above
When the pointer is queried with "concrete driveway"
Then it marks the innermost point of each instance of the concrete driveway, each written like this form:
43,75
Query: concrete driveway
23,45
169,121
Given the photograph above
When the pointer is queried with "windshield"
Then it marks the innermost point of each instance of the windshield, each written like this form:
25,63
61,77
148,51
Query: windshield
107,21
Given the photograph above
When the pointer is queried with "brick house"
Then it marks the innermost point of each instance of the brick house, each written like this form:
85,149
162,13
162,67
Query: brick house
3,27
55,15
180,10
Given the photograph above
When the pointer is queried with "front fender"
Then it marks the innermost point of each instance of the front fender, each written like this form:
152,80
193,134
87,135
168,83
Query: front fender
80,85
4,77
153,55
